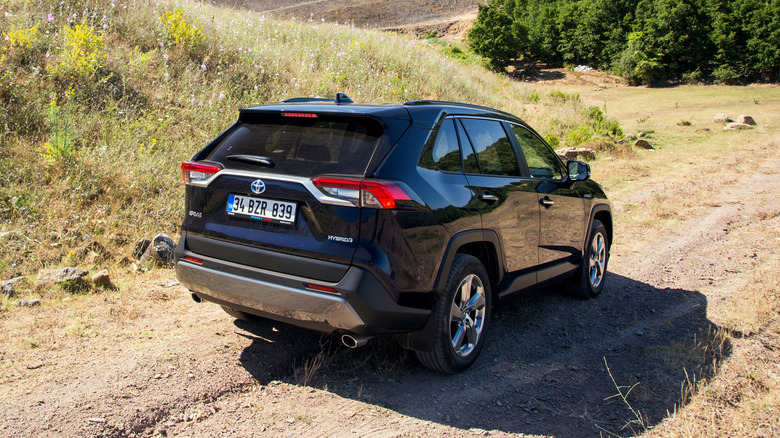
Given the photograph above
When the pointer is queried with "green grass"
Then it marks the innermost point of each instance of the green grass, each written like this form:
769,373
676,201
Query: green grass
102,102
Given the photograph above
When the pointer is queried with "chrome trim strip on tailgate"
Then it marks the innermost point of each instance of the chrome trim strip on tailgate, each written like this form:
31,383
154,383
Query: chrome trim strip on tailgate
302,180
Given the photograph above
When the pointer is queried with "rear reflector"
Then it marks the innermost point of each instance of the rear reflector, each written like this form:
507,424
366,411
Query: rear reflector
196,172
193,260
300,115
364,193
321,288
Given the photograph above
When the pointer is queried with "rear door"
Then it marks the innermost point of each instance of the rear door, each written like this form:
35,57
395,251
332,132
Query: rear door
507,200
263,204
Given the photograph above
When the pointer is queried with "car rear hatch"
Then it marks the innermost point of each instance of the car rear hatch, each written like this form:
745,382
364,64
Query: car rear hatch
269,192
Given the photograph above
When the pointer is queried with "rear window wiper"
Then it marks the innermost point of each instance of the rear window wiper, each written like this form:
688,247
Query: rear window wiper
253,159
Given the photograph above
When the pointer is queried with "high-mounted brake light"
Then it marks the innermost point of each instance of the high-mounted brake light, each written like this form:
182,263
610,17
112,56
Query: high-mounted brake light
300,115
196,172
364,193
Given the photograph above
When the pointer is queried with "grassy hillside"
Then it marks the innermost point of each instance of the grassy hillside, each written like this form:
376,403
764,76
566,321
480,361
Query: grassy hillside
101,101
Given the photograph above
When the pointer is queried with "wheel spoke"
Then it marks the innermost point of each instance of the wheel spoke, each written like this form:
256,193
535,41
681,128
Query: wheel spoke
477,302
457,338
472,335
455,313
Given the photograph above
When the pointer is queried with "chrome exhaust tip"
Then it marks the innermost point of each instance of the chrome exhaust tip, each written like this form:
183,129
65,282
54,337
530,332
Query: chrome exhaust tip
352,341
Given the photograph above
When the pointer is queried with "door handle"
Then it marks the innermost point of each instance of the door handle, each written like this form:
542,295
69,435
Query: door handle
488,198
547,202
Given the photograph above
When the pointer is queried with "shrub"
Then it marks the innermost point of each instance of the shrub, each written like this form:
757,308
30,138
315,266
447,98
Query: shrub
20,42
83,53
60,147
179,31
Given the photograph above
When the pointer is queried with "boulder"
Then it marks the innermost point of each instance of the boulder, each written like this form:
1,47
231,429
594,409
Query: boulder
160,251
102,279
28,303
746,120
721,118
644,144
7,287
736,126
68,278
140,247
576,153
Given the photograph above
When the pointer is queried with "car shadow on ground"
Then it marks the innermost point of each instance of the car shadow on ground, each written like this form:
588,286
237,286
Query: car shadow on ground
548,367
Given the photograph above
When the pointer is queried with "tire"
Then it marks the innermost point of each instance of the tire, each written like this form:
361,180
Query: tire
460,325
589,280
243,316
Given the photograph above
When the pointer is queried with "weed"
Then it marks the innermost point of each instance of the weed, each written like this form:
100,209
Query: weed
60,147
180,31
634,425
305,374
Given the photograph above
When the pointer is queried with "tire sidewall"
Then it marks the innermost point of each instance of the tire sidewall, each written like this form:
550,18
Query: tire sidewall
598,228
463,266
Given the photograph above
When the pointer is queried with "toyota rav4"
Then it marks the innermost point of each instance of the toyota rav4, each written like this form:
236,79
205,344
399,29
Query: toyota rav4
369,219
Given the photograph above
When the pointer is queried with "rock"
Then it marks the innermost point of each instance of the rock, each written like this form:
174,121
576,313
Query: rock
70,278
140,247
721,118
747,120
644,144
28,303
102,279
736,126
160,251
632,137
576,153
7,287
642,134
623,141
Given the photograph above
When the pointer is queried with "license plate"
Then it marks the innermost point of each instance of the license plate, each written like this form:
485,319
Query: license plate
268,210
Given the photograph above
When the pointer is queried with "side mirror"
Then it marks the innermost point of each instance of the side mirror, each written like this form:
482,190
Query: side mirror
578,171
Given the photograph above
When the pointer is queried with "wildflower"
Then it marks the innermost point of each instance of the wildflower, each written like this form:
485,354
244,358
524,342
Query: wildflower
48,54
203,66
200,103
213,95
165,57
13,199
193,100
221,95
167,75
105,26
50,17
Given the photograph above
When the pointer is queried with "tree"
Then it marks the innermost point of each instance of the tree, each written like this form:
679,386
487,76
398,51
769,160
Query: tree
492,35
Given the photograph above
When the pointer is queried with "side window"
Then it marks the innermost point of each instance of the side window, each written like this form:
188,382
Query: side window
470,164
494,151
541,160
446,153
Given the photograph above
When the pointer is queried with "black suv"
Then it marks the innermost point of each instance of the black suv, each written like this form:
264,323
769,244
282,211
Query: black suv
387,219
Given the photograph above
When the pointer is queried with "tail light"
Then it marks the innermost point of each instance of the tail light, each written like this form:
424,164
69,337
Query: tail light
379,194
194,173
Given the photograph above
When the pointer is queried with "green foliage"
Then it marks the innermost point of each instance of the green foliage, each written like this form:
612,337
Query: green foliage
492,35
60,147
552,140
646,41
638,64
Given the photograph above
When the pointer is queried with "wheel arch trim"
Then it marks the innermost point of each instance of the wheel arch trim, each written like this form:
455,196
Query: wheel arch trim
464,238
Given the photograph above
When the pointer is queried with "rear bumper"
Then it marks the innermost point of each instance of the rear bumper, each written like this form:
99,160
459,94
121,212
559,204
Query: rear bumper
360,305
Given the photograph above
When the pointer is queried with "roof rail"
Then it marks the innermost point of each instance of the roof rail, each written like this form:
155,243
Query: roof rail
447,102
340,98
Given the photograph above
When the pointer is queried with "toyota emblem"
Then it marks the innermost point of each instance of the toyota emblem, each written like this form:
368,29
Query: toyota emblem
258,186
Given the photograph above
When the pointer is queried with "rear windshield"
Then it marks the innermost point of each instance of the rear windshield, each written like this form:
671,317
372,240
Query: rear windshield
302,146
